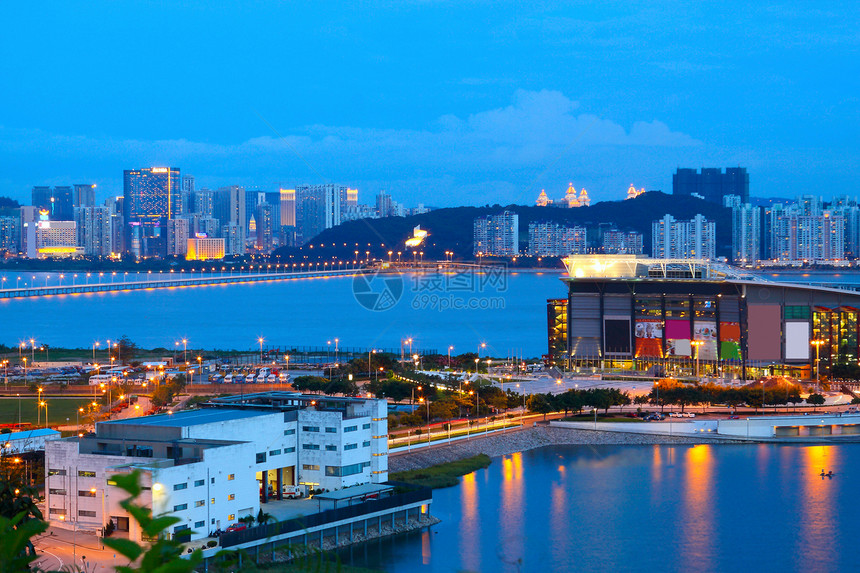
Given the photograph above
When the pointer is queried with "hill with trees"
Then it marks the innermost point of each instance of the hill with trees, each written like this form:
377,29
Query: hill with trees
450,229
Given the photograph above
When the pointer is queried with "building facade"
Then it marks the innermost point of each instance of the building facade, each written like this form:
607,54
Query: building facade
213,465
547,239
496,235
693,239
641,313
712,184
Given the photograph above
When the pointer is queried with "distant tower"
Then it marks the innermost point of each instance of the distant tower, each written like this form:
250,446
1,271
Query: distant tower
584,201
542,200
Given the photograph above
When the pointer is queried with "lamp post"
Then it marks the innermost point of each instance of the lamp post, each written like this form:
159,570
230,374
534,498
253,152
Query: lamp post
369,352
96,343
260,340
450,348
697,344
38,407
185,351
817,343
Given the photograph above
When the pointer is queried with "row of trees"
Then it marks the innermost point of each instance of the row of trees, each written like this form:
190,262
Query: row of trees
575,400
672,392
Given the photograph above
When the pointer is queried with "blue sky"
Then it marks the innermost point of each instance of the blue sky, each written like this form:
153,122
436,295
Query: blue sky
443,103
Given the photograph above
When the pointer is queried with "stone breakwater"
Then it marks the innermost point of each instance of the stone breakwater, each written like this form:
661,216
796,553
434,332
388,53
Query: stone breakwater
527,439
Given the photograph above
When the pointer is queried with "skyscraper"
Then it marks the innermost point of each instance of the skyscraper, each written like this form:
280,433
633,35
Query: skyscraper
58,202
712,184
94,230
265,227
177,236
151,196
84,195
288,207
229,209
746,234
318,209
188,195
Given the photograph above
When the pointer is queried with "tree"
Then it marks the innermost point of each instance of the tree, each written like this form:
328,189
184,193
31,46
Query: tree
263,518
816,400
127,349
539,404
18,512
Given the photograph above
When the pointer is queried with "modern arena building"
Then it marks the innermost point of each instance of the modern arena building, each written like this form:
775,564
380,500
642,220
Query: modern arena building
683,316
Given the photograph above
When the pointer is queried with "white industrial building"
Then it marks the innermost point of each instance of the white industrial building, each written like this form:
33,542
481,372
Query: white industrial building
208,466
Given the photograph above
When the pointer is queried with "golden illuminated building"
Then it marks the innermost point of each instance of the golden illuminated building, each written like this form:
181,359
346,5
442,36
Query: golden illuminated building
543,200
632,193
570,197
204,249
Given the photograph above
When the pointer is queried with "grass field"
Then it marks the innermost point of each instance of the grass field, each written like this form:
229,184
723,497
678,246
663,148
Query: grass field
442,475
58,410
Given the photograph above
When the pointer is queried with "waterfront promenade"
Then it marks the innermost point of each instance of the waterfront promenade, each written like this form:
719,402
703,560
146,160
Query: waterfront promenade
170,280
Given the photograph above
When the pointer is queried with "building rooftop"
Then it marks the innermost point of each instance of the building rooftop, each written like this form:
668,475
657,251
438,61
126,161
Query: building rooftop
29,434
190,418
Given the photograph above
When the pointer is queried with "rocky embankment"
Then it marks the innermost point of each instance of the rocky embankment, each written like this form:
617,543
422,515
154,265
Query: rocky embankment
522,440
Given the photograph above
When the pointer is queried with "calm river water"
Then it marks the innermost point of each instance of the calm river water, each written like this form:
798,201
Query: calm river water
643,508
507,312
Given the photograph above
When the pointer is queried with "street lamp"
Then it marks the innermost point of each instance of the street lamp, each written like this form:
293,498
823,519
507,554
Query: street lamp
260,340
697,344
185,351
450,348
817,343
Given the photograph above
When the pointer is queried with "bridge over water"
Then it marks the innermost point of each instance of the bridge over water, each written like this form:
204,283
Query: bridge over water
160,281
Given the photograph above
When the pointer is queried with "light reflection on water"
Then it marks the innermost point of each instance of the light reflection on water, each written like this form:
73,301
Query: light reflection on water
667,508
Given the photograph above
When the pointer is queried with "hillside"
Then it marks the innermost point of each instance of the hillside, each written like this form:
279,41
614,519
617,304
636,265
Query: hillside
451,229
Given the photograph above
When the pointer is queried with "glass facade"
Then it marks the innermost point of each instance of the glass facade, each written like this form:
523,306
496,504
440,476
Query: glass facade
152,194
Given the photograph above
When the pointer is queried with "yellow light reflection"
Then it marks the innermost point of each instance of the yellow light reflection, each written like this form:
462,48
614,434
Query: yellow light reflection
697,551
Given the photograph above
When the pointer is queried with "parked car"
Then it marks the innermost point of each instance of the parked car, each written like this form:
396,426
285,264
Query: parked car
237,527
291,491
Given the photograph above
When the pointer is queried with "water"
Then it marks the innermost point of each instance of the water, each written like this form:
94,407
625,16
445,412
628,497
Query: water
643,508
507,313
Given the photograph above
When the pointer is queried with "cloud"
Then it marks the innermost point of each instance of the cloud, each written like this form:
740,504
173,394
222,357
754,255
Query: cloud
511,143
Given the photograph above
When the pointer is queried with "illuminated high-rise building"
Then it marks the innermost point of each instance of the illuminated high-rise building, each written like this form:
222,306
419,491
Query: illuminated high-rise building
151,196
94,230
288,207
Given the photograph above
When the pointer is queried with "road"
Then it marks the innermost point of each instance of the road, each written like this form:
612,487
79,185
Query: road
60,548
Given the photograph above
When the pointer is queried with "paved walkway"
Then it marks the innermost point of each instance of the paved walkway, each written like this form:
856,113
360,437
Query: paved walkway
59,548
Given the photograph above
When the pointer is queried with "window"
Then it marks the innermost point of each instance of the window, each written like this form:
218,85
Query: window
261,457
231,497
179,528
180,507
56,472
56,511
83,474
310,446
331,430
199,482
332,471
199,503
212,500
213,480
330,448
57,491
311,467
231,517
335,471
350,429
86,513
365,426
382,437
289,450
86,493
275,453
350,447
180,486
231,477
365,444
198,524
310,428
798,312
290,432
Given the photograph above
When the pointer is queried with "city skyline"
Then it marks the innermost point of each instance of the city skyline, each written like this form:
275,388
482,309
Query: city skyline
521,102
